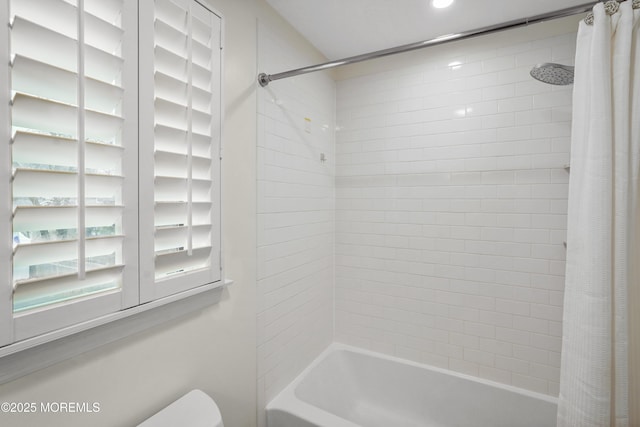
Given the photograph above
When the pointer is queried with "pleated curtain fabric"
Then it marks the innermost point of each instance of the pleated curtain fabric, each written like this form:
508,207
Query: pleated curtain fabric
599,379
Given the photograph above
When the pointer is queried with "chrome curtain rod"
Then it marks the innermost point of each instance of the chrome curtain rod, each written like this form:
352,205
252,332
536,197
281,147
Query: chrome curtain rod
264,79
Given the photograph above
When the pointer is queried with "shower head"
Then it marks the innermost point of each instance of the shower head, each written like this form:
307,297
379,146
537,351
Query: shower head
555,74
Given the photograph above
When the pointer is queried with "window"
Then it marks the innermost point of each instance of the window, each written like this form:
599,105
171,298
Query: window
182,174
111,168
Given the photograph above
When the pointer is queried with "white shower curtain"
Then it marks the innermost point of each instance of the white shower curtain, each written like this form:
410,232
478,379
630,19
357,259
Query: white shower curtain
599,384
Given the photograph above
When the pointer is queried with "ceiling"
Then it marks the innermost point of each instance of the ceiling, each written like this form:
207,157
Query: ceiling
342,28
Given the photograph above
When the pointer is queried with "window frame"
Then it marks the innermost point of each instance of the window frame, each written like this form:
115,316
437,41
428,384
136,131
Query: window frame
6,212
62,343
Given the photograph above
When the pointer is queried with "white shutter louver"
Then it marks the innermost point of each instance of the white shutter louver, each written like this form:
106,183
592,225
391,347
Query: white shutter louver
70,61
111,118
184,125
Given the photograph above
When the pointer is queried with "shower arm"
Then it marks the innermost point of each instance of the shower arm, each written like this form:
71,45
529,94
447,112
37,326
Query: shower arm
264,79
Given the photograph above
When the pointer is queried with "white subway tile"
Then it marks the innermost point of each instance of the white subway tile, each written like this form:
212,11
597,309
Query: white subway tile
556,298
480,357
529,383
498,92
530,324
517,133
450,200
494,374
536,56
531,236
552,99
553,222
530,265
503,266
434,360
512,365
553,252
501,348
557,268
497,234
481,81
531,117
481,164
545,311
530,354
495,121
515,75
479,329
481,219
531,87
513,336
510,277
546,342
482,108
463,340
550,161
563,50
513,162
515,104
448,350
551,130
548,282
504,320
534,176
561,114
531,295
533,206
512,307
514,220
514,191
554,359
555,329
499,63
464,367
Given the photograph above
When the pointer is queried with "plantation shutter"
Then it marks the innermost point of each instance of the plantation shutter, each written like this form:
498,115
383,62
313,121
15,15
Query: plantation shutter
73,121
180,136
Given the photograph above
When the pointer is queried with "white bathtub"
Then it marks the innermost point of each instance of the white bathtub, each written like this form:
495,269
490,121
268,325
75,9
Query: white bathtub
350,387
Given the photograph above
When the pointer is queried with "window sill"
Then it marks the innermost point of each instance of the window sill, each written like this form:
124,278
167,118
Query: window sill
25,357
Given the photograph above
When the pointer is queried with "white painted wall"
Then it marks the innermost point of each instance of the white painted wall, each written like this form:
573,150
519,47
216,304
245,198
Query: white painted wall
451,205
296,207
214,350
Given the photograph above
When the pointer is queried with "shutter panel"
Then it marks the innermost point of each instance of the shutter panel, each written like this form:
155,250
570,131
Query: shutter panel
73,156
180,130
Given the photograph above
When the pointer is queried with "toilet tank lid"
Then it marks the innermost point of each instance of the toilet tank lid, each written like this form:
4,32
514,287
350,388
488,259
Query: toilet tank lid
194,409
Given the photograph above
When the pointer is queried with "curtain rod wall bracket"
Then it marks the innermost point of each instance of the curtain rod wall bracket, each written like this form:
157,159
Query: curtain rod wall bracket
264,79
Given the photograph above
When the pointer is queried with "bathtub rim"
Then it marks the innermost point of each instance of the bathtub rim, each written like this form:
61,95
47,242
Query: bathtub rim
288,401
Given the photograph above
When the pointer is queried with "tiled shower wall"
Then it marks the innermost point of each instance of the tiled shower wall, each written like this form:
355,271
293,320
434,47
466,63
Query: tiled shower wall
451,198
296,207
